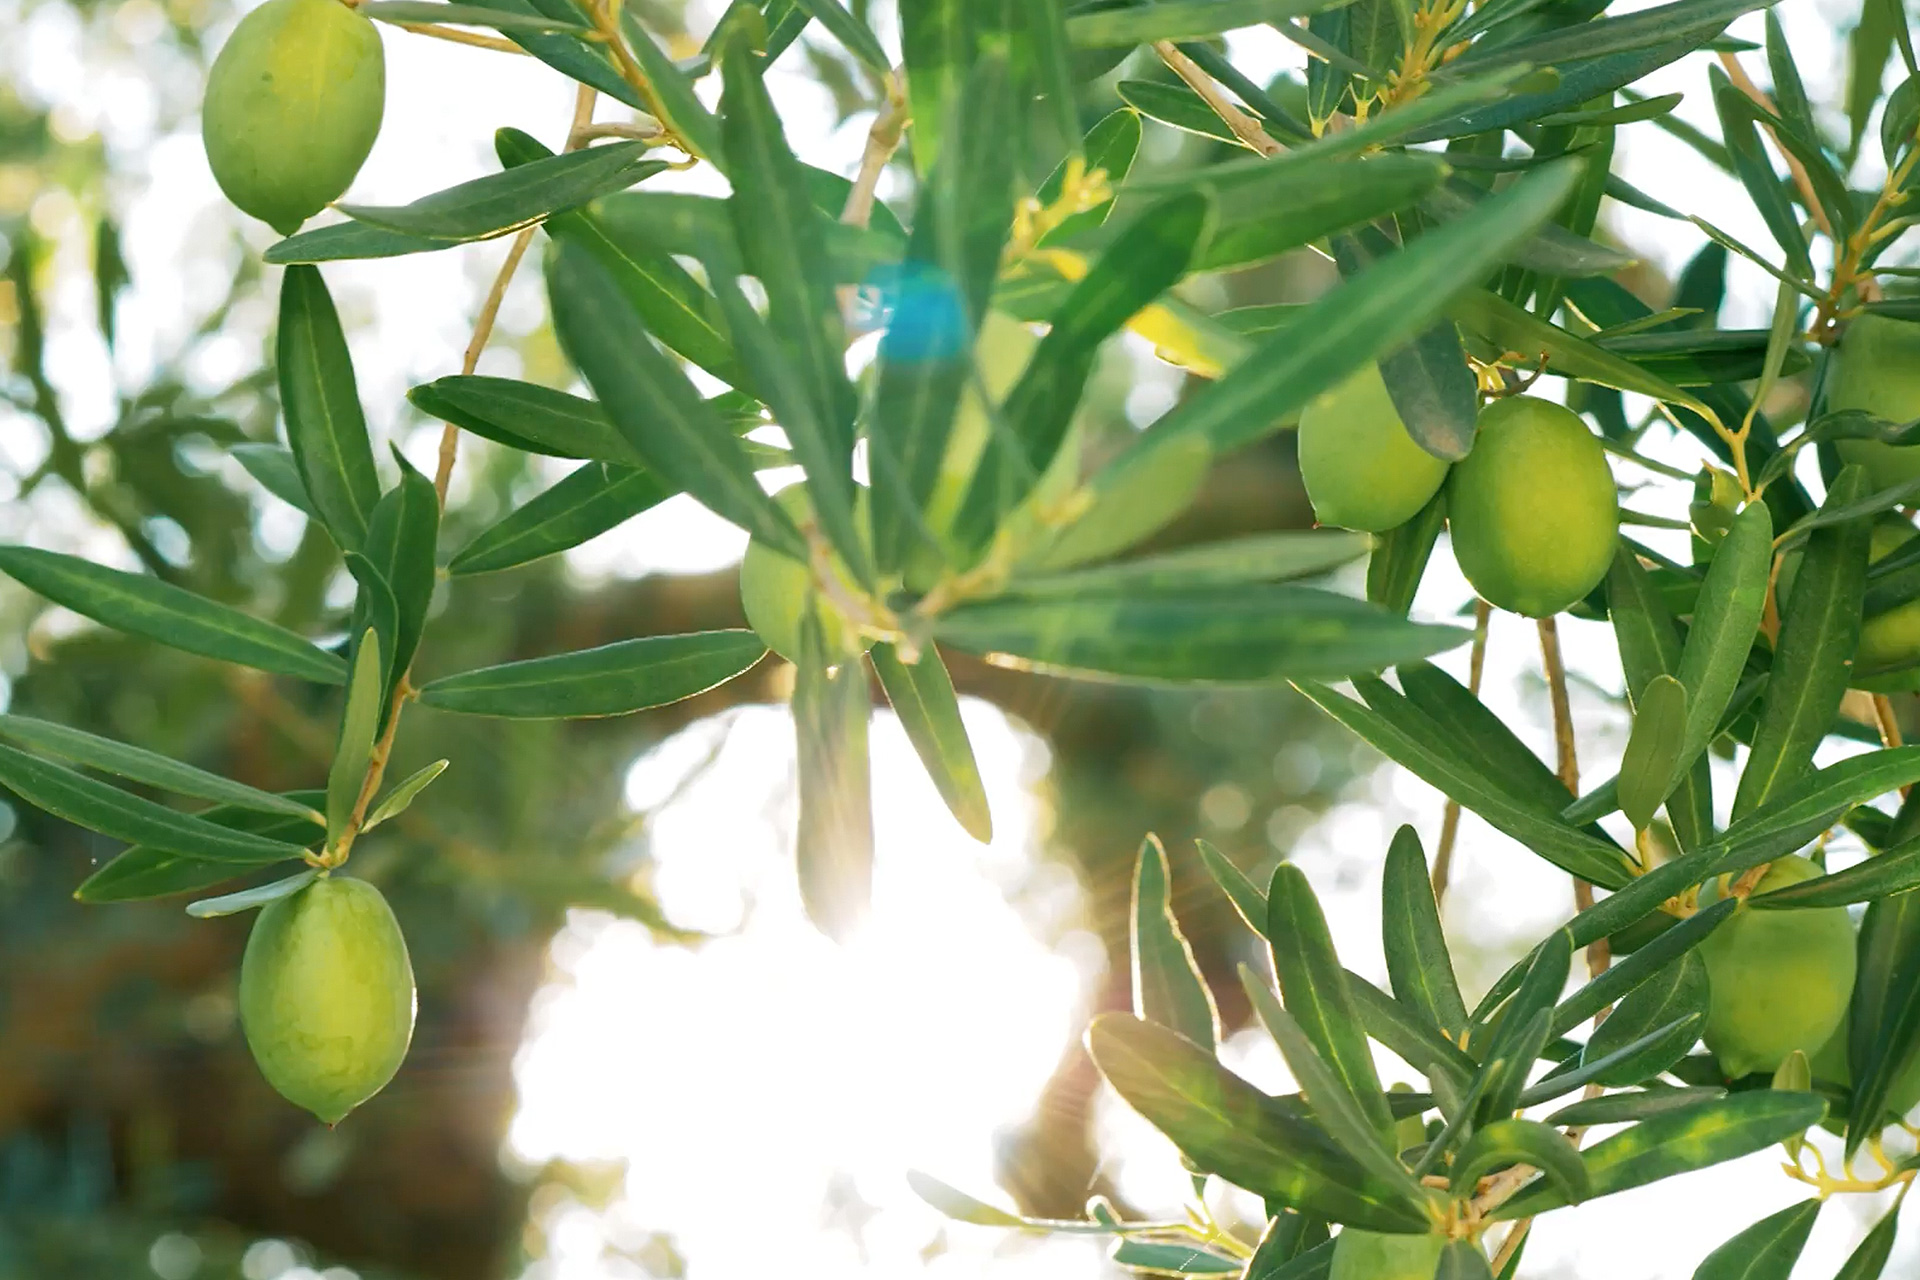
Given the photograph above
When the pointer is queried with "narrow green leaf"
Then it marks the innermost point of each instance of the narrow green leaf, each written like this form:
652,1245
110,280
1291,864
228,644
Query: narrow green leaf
1725,621
1416,945
1399,559
464,15
1509,1047
1314,986
140,765
1755,171
1478,734
1255,558
1326,1094
1625,1108
1180,20
1514,1141
1463,1260
587,63
777,229
652,404
1178,107
395,802
1168,987
524,415
1869,1260
359,725
1653,749
1370,314
1415,742
612,680
1406,1031
143,606
233,904
112,812
834,841
1649,644
673,98
1636,1060
850,32
325,427
1675,998
402,541
1883,1019
348,242
143,872
1806,808
1248,634
1171,1259
1249,899
277,473
1109,148
1579,80
1230,1128
1697,20
922,695
937,46
1147,258
1648,962
1766,1250
519,197
1813,658
1680,1142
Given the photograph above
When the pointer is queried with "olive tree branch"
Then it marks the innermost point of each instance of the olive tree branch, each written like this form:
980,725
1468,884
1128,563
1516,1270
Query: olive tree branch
1247,129
1450,818
461,37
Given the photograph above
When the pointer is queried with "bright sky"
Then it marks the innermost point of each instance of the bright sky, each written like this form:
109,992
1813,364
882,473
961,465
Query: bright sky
766,1092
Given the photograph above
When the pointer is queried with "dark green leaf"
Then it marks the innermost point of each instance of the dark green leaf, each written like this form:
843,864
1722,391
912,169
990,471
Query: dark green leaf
146,872
1883,1020
576,59
1415,741
1416,946
112,812
402,539
1171,1259
921,694
673,99
1478,734
1649,961
463,15
1246,634
1399,559
1725,620
1407,1032
1314,986
1766,1250
1695,20
140,765
1333,1107
1649,644
1636,1060
1653,750
1679,1142
144,606
1260,557
349,241
1514,1141
277,473
1230,1128
652,404
1813,657
1181,20
850,32
612,680
1637,1104
359,725
1895,871
325,427
524,415
1675,998
1177,106
514,198
1737,125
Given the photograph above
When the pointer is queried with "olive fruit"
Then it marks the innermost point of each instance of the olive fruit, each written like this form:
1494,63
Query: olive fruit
1780,980
776,590
1372,1255
326,995
1889,641
1877,370
1361,468
1532,508
293,105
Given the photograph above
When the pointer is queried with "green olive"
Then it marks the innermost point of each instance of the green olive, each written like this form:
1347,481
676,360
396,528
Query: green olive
1371,1255
1889,641
1780,979
776,590
293,105
1361,468
1532,508
1877,370
326,995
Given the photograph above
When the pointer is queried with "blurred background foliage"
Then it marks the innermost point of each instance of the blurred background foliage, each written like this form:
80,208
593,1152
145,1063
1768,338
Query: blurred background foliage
136,1136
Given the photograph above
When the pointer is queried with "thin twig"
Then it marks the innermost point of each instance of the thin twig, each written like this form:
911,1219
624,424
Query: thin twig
1889,728
1247,129
883,139
1450,818
461,37
1568,761
643,131
1738,74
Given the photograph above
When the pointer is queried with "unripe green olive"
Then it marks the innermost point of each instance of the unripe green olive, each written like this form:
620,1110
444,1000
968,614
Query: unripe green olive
1877,370
1361,468
293,105
1781,980
776,590
1532,508
1889,641
326,995
1372,1255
